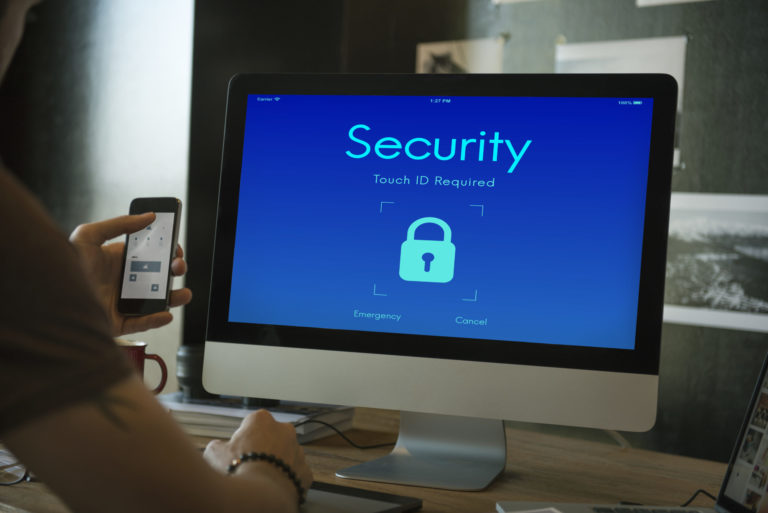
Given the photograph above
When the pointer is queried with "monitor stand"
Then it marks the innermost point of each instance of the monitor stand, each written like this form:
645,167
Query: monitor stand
439,451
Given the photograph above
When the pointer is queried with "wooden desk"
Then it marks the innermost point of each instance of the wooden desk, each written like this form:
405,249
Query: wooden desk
539,467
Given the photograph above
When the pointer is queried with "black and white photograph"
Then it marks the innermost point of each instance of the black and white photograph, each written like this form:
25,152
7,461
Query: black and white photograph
717,261
466,56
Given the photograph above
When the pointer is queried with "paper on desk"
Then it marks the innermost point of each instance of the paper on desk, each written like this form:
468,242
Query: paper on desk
226,411
542,510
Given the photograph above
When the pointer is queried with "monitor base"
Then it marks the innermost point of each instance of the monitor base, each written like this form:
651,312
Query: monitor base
439,451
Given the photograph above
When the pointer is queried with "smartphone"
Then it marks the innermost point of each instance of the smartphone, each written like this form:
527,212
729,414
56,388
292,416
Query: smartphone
145,284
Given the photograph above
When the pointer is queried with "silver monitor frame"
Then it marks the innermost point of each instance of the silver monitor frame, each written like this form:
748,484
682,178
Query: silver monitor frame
451,434
452,402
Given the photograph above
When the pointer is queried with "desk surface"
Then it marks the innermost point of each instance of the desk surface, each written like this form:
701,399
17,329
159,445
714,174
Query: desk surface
540,467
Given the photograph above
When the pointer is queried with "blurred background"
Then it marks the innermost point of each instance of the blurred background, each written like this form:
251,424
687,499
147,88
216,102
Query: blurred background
108,100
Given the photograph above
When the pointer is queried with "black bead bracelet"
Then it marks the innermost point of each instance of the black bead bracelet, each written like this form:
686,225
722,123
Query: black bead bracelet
274,460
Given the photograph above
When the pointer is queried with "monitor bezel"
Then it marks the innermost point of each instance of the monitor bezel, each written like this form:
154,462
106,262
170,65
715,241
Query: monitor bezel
644,359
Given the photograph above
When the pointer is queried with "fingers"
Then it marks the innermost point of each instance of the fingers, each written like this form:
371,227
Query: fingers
305,473
278,438
146,322
178,266
259,431
99,232
216,454
180,297
260,419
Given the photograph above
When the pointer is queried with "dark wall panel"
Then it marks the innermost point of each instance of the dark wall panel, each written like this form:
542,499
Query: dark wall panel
382,35
233,37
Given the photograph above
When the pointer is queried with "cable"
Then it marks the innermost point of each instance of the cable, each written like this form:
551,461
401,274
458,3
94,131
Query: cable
342,435
696,495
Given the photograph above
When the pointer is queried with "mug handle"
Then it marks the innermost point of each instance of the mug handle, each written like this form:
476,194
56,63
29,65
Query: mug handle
163,371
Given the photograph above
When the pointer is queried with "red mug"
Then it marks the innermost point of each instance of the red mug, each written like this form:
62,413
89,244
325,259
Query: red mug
137,353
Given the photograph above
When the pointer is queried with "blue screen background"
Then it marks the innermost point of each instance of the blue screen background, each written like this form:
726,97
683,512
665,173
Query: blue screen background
550,254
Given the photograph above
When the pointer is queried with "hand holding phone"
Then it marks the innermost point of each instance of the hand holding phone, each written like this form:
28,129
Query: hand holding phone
145,283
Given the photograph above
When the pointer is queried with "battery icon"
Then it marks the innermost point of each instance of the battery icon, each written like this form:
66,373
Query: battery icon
637,102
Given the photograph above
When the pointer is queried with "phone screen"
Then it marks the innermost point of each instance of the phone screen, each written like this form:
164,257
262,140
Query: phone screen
147,261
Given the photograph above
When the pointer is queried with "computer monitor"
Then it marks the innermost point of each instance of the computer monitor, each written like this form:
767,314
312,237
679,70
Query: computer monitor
463,248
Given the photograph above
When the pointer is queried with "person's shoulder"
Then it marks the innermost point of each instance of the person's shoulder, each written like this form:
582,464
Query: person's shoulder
10,187
5,173
17,201
9,183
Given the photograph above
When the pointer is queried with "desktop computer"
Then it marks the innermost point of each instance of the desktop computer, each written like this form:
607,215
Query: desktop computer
463,248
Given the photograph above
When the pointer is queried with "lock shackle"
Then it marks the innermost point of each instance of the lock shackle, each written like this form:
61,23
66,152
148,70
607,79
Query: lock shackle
411,235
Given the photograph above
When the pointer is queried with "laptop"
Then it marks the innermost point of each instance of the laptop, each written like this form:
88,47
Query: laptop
744,488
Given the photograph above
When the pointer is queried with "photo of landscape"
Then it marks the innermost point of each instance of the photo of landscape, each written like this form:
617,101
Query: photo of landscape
717,257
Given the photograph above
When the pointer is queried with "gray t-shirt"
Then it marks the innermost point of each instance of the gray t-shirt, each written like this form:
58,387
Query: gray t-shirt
55,343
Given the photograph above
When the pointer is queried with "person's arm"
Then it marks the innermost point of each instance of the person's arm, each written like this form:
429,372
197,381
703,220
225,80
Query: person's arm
71,410
121,452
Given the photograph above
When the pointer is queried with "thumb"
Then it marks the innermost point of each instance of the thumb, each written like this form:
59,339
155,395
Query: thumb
100,232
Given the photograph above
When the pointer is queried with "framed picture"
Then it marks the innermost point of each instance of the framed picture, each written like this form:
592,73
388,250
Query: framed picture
717,261
652,3
466,56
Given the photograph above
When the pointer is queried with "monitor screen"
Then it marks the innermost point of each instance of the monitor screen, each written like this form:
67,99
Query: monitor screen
490,218
469,217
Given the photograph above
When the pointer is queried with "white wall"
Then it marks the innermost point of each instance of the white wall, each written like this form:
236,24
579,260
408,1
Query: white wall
138,123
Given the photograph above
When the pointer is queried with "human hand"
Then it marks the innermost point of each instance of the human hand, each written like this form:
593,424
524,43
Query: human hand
260,432
103,265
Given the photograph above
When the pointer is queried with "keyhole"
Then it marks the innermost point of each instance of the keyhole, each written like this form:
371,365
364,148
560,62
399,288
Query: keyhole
427,257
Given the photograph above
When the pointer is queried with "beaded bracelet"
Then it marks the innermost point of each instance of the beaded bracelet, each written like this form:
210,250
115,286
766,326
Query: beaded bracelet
274,460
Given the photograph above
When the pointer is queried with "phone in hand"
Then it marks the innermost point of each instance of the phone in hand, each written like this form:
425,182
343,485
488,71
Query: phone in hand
145,283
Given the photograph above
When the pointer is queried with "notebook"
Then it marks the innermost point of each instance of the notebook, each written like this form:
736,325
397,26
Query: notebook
744,488
333,498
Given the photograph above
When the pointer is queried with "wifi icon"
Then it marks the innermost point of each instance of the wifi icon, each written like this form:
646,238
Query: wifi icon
277,98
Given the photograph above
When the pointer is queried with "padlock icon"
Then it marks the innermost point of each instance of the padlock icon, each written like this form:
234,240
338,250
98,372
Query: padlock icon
427,260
